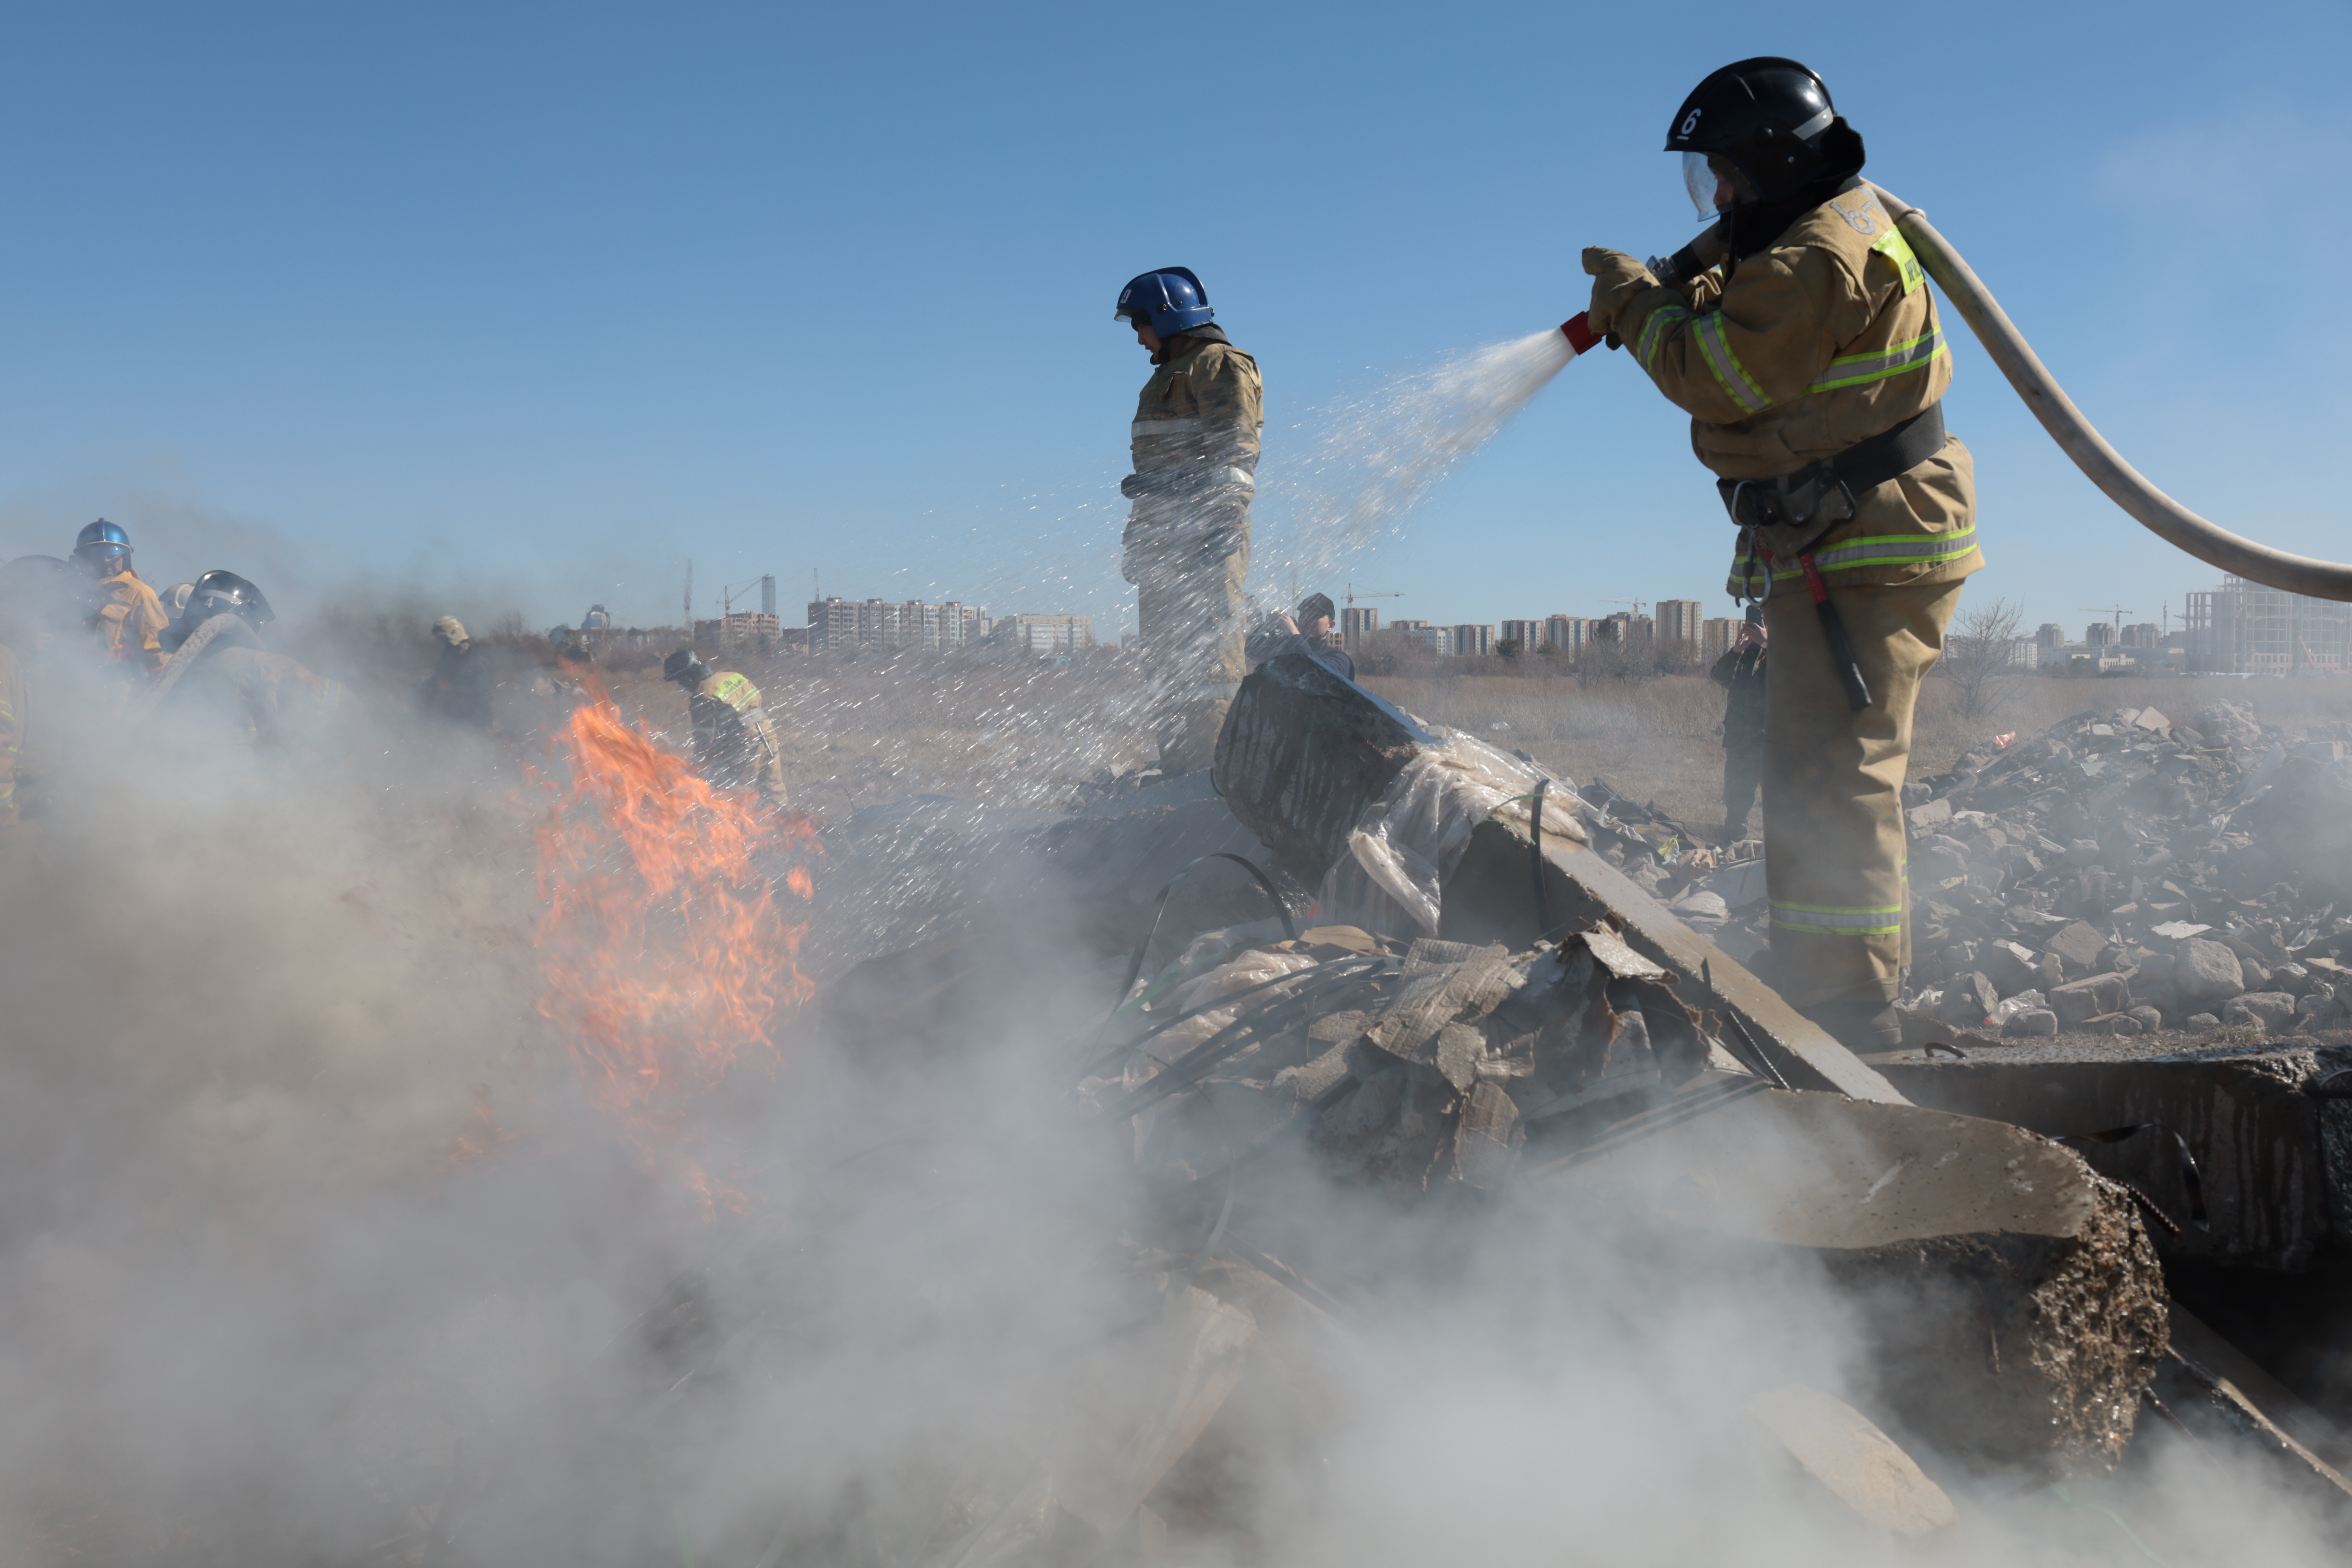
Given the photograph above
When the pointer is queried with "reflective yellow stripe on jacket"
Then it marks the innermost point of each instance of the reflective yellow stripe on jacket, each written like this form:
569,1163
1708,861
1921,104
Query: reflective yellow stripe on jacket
1822,920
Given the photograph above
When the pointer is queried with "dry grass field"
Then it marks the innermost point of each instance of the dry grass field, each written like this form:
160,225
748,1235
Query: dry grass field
864,730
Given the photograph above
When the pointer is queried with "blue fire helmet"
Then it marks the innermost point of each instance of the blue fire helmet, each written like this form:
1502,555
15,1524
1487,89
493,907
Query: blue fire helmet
1169,301
100,539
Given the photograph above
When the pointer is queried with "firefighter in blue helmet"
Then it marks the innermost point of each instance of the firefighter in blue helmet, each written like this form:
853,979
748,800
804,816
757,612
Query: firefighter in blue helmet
128,618
1195,448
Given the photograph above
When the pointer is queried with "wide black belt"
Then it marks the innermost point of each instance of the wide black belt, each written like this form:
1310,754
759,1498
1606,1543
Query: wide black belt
1825,492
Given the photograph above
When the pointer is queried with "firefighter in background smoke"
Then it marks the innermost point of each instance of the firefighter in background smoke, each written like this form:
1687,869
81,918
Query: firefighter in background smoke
1742,674
128,618
458,689
1195,448
734,744
1813,367
1309,631
44,610
222,670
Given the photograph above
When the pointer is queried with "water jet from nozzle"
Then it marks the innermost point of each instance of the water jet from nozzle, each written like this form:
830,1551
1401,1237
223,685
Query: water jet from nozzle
1378,454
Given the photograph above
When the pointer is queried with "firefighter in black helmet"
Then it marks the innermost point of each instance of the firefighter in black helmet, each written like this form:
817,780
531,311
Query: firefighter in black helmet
1813,366
734,744
222,667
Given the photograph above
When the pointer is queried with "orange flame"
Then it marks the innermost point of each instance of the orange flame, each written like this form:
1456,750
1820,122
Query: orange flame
663,959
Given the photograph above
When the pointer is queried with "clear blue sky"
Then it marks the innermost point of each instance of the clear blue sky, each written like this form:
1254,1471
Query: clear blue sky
527,304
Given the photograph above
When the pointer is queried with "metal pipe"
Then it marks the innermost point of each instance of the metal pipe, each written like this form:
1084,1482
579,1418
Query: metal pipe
2102,464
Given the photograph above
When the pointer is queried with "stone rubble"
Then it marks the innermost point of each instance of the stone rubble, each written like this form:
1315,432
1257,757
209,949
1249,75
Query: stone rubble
2120,874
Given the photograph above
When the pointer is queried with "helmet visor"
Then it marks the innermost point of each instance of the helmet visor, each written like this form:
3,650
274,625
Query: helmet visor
1702,183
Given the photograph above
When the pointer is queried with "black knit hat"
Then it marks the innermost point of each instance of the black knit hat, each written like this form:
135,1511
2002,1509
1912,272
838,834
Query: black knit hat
1315,607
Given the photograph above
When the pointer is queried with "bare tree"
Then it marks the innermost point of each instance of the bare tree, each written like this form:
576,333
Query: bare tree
1980,656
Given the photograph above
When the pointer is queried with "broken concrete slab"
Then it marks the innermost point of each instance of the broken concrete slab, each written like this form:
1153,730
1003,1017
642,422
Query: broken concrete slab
2095,997
2016,1308
1842,1450
2192,1387
2077,945
2193,1341
1491,897
2274,1160
2206,972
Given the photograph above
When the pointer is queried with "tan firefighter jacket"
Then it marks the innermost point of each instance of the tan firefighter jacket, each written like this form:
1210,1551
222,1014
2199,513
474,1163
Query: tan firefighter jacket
734,744
1195,444
1826,338
130,621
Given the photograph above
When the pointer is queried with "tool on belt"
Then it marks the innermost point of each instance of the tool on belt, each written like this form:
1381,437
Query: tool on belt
1789,515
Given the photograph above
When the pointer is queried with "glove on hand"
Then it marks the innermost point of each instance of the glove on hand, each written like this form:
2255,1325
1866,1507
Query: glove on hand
1616,279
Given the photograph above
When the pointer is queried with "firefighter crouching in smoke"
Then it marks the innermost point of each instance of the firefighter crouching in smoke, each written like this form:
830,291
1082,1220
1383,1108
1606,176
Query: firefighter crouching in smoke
128,618
458,689
734,744
45,671
1195,449
222,670
1813,365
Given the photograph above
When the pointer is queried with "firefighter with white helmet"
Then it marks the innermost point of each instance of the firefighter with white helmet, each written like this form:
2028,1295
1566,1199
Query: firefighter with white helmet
1813,366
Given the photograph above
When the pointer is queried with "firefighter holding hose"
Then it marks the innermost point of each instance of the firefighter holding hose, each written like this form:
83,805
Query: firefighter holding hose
1194,445
1813,365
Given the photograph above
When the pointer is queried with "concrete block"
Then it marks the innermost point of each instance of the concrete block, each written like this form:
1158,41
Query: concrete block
2016,1307
1932,814
2078,945
2206,972
2030,1024
2010,966
2271,1010
2080,999
2275,1161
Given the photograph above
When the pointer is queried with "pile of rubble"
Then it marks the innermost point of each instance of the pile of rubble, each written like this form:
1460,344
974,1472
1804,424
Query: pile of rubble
1493,1015
2121,874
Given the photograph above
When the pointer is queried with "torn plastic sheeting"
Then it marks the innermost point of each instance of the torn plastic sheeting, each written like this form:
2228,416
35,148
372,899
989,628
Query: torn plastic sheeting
1410,840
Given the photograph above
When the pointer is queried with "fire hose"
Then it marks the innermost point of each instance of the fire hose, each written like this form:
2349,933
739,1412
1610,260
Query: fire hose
2100,463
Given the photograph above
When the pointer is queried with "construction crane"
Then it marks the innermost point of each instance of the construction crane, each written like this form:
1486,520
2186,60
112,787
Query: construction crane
1353,596
1637,604
2116,610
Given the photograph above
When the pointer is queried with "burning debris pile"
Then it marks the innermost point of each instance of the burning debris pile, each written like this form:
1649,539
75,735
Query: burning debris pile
2121,874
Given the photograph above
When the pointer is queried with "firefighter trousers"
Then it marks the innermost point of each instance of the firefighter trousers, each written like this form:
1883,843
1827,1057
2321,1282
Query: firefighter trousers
1833,838
1190,617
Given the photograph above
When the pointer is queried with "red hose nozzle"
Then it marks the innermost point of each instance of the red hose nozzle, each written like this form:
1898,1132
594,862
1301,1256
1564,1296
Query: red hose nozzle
1579,335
